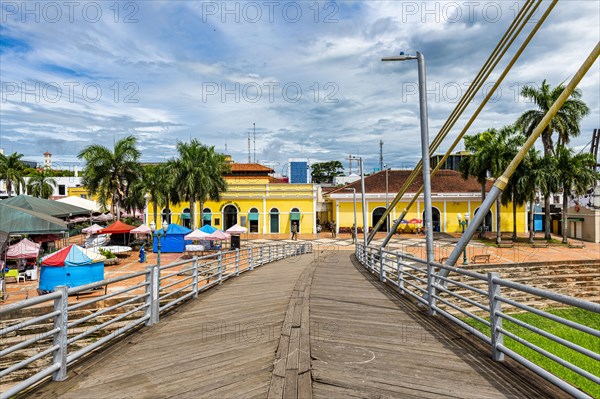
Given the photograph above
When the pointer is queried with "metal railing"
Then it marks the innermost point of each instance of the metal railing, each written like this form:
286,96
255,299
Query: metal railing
479,299
67,332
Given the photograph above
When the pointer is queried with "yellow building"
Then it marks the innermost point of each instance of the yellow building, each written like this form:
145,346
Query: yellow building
451,195
255,200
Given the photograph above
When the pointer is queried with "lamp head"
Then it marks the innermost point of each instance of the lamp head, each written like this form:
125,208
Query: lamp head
165,225
152,226
459,216
467,216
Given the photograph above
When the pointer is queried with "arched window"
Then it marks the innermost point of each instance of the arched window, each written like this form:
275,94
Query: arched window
486,225
274,220
230,214
295,219
436,218
206,217
377,214
165,215
253,220
185,218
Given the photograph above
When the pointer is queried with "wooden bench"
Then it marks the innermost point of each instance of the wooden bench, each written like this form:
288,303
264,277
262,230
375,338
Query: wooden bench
579,244
480,258
543,244
505,245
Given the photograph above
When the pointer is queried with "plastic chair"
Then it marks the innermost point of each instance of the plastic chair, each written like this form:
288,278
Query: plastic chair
21,276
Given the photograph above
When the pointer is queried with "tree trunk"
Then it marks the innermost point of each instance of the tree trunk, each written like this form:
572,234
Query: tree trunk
547,218
531,220
514,237
564,216
201,213
155,209
193,213
9,187
498,222
482,232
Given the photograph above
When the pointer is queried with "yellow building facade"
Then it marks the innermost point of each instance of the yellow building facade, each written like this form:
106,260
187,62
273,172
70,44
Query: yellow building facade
259,203
451,195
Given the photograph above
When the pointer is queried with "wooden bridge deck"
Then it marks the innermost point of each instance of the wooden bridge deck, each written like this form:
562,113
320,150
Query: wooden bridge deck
314,326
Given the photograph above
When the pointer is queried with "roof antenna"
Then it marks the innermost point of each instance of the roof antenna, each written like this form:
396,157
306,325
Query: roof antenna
249,158
254,138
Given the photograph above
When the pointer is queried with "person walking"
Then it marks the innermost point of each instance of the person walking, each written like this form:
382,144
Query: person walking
333,229
294,231
142,254
353,232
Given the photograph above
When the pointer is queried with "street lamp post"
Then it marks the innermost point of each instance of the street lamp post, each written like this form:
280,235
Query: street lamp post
363,198
387,203
424,146
463,224
159,234
354,227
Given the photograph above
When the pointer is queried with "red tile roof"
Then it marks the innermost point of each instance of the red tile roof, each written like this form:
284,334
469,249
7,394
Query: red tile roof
445,181
250,167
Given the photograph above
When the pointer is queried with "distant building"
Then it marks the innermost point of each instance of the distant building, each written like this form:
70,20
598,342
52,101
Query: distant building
451,163
299,171
47,160
338,180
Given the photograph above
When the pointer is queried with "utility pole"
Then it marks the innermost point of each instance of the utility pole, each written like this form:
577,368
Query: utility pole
380,154
254,140
249,157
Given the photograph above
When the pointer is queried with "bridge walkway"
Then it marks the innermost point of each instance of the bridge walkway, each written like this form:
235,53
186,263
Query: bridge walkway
313,326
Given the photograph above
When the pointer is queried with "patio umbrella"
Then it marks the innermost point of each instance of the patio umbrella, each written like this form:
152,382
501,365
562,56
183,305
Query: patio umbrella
217,235
236,229
415,221
93,229
142,229
196,235
208,229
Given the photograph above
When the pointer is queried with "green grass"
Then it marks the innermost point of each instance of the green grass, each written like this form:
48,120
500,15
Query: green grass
582,339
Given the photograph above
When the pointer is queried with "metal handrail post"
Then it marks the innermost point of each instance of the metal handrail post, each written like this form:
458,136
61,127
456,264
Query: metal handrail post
61,304
220,268
155,308
381,266
399,272
431,289
148,311
495,320
237,262
251,257
195,278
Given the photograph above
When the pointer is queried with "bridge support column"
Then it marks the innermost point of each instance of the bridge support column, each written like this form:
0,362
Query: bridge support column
495,320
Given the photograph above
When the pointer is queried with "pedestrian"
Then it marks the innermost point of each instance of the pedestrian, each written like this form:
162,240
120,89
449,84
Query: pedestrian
294,231
333,229
142,254
353,232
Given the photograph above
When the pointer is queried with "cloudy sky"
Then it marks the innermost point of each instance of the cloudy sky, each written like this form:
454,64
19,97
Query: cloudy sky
308,74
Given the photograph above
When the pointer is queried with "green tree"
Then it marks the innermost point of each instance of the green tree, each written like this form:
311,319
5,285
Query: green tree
108,173
565,123
324,172
41,184
199,173
153,178
11,171
576,174
134,196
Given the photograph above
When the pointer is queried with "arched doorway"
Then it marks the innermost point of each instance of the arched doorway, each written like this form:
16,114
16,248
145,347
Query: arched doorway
486,225
253,220
376,216
436,219
206,217
295,219
185,218
229,216
165,215
274,213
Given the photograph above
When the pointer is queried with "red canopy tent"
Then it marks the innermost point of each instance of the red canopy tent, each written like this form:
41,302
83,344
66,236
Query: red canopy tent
117,227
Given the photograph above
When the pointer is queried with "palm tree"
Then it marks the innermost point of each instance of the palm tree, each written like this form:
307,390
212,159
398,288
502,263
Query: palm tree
577,175
11,170
199,175
565,123
158,182
41,185
108,173
134,198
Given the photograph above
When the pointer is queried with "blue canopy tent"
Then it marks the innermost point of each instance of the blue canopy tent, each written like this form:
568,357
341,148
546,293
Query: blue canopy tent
174,240
208,229
71,266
